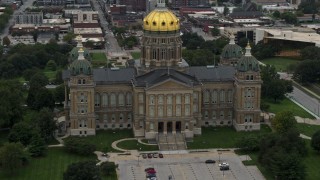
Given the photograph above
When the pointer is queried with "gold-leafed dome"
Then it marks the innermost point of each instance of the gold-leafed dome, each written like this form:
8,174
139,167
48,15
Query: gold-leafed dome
161,20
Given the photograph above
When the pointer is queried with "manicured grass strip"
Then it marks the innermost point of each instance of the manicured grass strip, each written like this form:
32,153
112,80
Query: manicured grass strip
135,145
136,55
104,138
98,57
286,104
308,129
222,137
280,63
50,167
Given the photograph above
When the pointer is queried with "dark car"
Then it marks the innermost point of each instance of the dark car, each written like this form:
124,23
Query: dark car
150,175
210,161
160,155
149,155
224,168
144,156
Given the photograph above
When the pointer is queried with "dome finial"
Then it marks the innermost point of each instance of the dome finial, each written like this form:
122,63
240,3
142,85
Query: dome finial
232,39
79,41
161,3
81,54
248,49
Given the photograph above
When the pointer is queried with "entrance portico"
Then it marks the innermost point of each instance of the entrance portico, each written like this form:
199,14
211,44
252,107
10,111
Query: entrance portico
169,127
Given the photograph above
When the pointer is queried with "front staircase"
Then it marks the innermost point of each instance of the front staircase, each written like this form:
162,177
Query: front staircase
170,142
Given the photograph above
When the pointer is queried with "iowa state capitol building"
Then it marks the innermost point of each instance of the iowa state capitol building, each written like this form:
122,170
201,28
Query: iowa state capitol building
162,94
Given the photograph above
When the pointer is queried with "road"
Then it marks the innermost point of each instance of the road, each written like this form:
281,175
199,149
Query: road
301,97
26,3
111,42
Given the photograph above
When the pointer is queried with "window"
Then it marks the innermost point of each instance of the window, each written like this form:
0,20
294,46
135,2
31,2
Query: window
206,114
160,111
195,96
105,117
187,110
248,92
140,97
214,115
151,126
79,81
178,110
154,54
129,117
230,114
169,99
248,118
178,99
195,108
206,97
121,99
160,99
214,97
129,99
121,117
187,125
82,98
97,100
104,99
141,124
221,114
169,110
83,81
187,99
113,118
151,100
113,99
230,95
141,110
222,96
163,54
151,111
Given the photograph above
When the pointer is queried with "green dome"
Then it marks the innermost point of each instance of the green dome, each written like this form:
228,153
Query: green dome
80,67
74,54
248,62
231,51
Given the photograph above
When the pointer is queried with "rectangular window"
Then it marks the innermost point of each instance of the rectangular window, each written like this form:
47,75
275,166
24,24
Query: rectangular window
169,99
195,108
178,110
169,110
140,98
151,111
214,115
178,99
160,111
230,95
221,114
151,100
141,111
222,96
121,99
206,97
187,110
160,99
187,99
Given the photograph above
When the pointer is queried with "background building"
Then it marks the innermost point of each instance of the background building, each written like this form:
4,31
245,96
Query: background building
34,18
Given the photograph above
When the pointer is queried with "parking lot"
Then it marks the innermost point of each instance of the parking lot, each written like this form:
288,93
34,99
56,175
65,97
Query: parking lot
190,166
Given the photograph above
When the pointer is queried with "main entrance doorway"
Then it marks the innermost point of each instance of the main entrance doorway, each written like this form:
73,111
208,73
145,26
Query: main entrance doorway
169,127
178,127
160,127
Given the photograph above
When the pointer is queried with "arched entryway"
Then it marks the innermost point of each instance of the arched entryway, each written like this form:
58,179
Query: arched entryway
178,126
169,127
160,127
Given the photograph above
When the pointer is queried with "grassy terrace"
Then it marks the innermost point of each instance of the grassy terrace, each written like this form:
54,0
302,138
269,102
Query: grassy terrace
286,104
104,138
136,55
280,63
99,59
135,145
221,137
50,167
308,129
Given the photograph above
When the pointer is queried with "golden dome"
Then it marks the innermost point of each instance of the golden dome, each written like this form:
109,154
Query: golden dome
161,20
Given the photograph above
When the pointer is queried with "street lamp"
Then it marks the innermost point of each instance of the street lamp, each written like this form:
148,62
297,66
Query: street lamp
219,155
138,159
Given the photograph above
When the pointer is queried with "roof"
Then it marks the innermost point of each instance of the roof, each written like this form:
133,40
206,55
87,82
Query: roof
113,75
161,20
246,14
160,75
213,74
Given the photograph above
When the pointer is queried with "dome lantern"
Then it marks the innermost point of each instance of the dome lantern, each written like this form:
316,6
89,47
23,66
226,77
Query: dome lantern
248,50
161,3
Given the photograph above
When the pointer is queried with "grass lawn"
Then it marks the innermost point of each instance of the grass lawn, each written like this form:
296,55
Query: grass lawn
308,129
98,57
104,138
221,137
312,162
286,104
280,63
136,55
50,167
135,145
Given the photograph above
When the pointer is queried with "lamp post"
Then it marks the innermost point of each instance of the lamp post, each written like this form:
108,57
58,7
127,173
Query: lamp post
219,155
138,159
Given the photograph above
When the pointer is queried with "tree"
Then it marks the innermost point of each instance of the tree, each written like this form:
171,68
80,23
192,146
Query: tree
315,141
289,17
21,132
82,171
12,156
6,41
265,50
59,94
69,37
38,80
46,124
58,79
37,146
284,122
43,97
51,65
35,35
107,168
11,102
249,143
307,72
79,146
215,31
276,14
310,53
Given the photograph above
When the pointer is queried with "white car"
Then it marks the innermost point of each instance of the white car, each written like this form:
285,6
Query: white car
223,164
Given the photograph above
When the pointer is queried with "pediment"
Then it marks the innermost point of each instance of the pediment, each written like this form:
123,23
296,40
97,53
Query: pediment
170,84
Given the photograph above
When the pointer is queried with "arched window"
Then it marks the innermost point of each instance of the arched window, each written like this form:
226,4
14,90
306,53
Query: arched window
83,81
104,99
113,99
206,97
79,81
222,96
97,100
121,99
129,99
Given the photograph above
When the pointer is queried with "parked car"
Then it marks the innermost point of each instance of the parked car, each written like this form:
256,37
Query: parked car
149,169
160,155
224,164
155,155
149,155
144,156
210,161
151,175
224,168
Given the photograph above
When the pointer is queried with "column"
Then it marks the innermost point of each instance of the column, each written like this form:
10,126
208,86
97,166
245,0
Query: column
173,127
65,96
164,127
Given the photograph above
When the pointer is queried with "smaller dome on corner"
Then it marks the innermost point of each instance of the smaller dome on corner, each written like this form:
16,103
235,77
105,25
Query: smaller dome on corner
78,67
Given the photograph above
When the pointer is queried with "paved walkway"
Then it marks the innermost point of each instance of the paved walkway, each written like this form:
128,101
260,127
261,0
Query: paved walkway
114,144
60,139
